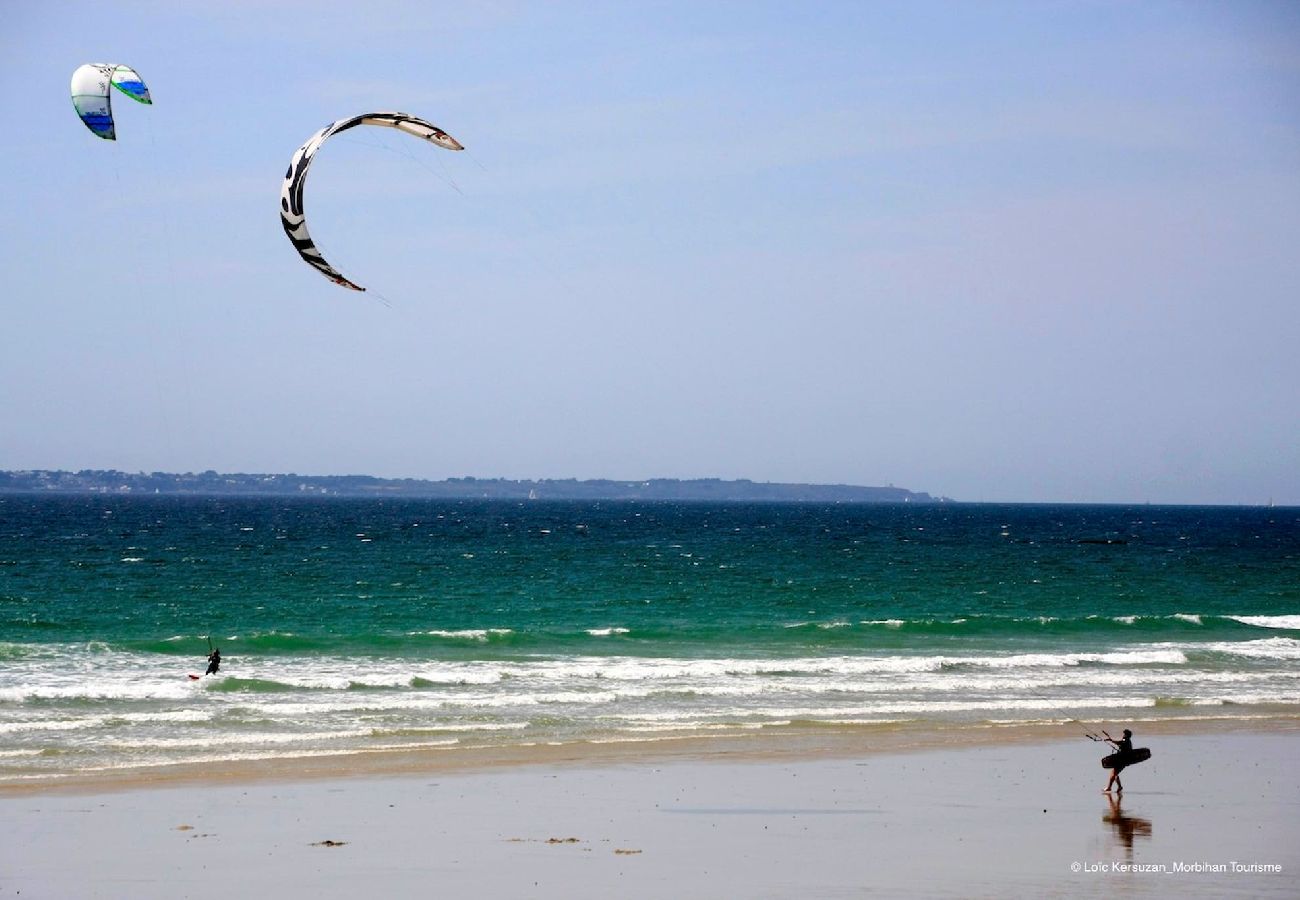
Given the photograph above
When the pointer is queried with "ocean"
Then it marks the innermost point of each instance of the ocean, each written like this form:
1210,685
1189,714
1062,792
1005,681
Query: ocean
352,626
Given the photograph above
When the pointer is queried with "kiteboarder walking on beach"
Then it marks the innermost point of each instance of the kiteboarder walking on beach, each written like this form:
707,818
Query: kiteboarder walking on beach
1123,747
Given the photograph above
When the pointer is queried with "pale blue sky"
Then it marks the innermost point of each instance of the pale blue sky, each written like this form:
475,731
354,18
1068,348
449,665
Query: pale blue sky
1027,251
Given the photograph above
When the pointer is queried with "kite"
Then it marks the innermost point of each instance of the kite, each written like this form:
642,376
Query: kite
292,215
90,94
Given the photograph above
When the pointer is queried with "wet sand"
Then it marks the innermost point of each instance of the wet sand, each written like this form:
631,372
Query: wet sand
1022,817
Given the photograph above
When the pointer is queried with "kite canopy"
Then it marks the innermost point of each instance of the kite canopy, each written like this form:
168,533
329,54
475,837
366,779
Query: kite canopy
90,94
292,215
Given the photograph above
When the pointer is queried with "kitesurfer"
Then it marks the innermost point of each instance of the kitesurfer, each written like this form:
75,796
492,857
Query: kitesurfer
1123,747
214,661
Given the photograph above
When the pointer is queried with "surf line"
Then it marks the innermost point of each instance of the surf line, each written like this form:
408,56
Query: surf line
1090,734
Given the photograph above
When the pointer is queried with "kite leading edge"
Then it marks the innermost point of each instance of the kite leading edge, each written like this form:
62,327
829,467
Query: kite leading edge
292,214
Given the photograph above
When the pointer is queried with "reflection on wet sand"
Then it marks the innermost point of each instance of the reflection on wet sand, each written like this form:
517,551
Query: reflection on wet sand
1127,828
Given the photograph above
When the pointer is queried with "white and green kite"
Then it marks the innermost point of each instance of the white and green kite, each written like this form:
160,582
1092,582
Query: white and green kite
90,94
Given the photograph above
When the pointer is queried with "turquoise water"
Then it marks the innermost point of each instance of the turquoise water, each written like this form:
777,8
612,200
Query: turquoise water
376,625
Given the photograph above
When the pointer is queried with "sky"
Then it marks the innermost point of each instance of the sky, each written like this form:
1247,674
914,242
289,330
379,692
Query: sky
1012,252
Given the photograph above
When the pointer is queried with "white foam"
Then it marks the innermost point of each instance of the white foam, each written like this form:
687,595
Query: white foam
202,740
1262,648
909,708
99,720
658,669
473,634
605,632
440,729
1187,617
130,714
694,726
413,745
175,715
89,691
875,720
1038,660
466,673
53,725
628,739
1289,623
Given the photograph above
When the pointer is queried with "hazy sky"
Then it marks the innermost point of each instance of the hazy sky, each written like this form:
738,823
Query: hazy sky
1026,251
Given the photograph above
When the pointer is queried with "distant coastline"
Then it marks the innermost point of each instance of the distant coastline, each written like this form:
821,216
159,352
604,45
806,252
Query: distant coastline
109,481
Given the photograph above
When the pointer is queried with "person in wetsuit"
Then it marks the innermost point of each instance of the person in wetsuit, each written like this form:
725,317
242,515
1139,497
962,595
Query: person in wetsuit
214,661
1123,747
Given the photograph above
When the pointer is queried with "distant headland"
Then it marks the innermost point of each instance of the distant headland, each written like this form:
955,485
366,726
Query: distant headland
101,481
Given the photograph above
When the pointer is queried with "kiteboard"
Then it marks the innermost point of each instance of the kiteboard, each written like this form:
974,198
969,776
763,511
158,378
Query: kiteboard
1129,758
194,677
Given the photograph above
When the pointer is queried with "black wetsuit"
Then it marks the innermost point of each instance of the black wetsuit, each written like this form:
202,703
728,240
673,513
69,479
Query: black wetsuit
1123,750
214,662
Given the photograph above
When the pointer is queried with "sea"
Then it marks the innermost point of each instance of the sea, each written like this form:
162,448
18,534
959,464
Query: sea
391,625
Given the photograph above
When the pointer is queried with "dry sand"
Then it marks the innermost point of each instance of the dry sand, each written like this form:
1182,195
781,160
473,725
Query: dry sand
1018,818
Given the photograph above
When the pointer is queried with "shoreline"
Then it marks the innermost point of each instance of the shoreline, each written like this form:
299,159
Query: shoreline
754,747
1018,814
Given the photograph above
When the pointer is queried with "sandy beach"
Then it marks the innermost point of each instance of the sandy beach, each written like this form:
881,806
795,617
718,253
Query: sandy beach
1023,816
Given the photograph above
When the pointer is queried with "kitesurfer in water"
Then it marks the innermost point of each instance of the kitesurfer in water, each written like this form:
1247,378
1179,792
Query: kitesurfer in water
214,661
1123,747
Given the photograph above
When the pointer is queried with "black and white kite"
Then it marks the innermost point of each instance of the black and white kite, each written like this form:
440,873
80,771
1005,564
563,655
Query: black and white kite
292,215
